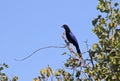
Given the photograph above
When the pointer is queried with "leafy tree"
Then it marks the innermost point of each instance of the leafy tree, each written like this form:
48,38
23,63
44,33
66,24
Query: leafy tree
106,53
104,56
3,76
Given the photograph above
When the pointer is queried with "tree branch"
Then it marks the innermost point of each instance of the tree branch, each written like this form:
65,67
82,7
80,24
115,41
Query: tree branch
91,59
37,51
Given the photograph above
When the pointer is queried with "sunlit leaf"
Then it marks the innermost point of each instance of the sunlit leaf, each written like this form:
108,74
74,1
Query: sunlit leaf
51,70
48,73
15,78
42,72
95,46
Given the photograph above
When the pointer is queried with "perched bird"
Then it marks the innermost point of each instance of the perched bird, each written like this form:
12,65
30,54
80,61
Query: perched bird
71,38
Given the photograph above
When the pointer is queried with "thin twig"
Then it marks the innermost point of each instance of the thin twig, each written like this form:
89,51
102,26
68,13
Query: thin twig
91,59
37,51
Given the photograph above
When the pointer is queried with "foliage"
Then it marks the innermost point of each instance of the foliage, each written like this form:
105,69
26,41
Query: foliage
3,76
106,53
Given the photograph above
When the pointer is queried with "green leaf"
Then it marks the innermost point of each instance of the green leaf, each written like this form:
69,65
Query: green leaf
15,78
111,25
95,46
64,53
78,73
1,68
116,4
5,65
58,73
94,21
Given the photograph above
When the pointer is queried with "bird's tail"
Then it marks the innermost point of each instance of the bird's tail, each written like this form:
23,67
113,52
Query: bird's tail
79,52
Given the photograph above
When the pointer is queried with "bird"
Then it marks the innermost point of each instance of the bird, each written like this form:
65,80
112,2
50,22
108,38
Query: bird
71,38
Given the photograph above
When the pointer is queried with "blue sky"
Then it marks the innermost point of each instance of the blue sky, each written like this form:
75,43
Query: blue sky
27,25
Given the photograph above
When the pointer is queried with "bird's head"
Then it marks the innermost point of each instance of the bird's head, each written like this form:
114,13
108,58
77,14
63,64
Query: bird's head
67,29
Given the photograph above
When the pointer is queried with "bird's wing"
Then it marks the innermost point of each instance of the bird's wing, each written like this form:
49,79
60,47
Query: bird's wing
73,37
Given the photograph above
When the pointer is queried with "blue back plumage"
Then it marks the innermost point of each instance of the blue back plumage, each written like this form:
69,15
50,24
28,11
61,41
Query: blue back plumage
73,37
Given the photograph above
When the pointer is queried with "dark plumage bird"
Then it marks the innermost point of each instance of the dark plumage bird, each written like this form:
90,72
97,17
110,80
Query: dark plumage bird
71,38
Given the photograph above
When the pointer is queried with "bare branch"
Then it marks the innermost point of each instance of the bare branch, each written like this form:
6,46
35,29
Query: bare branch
91,59
37,51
